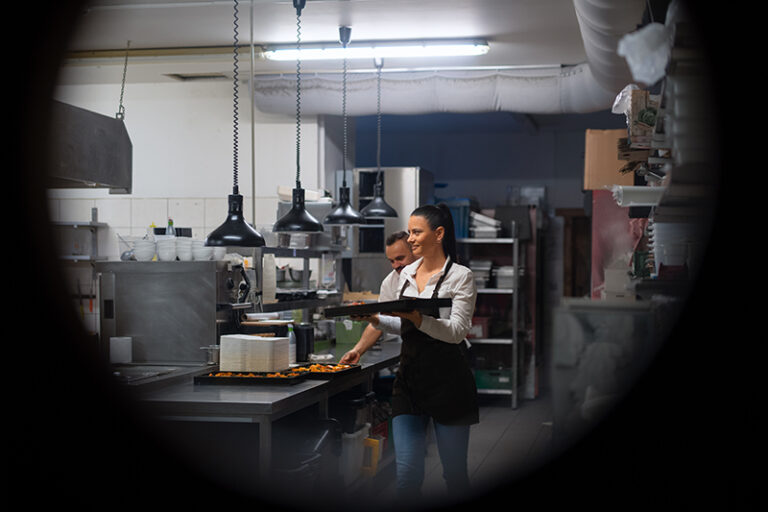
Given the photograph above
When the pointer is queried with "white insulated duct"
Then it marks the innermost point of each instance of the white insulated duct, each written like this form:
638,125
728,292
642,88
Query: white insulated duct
587,87
602,24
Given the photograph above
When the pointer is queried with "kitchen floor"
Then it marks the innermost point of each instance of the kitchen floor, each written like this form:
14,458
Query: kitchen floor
506,441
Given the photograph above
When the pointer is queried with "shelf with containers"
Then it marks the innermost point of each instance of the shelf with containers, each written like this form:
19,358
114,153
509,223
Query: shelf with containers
502,339
312,298
680,162
494,335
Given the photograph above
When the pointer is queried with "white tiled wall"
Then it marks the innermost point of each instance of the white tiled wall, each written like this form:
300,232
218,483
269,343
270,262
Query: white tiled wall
131,216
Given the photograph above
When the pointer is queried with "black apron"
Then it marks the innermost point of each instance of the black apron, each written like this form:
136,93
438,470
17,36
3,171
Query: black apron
434,377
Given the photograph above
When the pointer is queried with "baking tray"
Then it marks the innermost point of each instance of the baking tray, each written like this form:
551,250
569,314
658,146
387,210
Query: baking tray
251,379
326,375
387,307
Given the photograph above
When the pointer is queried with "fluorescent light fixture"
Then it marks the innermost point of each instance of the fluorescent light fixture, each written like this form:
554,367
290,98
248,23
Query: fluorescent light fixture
379,49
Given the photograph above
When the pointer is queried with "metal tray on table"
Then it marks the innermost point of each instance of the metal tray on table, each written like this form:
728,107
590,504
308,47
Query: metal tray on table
285,378
402,305
316,374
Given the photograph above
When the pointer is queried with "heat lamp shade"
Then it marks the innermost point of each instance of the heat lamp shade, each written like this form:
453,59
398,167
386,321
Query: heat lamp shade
344,214
298,219
235,231
378,209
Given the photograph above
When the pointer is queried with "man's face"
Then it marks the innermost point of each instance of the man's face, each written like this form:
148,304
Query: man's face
399,255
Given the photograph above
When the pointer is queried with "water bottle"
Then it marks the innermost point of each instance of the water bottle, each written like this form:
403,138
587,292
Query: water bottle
291,345
169,230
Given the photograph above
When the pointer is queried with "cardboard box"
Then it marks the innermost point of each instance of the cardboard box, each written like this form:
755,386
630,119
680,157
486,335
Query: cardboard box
601,160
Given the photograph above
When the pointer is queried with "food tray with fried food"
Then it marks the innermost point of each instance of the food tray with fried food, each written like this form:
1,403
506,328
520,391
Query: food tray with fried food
285,377
402,305
325,370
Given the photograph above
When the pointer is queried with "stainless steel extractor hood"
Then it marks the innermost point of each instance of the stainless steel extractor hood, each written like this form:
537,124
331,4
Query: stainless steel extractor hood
89,150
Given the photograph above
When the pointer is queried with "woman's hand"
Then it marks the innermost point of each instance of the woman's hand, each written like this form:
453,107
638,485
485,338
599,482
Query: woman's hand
413,316
351,357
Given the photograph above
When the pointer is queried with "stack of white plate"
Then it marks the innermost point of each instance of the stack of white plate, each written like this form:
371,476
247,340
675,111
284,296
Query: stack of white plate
250,353
184,248
200,252
144,250
166,249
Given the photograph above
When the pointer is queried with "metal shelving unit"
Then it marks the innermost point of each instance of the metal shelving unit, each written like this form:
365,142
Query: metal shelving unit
512,342
328,299
83,249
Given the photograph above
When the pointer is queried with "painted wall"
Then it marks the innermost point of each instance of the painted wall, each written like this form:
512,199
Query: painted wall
489,156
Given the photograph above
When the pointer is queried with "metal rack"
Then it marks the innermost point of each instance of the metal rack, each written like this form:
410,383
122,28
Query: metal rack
88,253
513,342
306,255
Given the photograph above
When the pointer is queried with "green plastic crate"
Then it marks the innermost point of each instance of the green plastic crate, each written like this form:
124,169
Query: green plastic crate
348,332
494,379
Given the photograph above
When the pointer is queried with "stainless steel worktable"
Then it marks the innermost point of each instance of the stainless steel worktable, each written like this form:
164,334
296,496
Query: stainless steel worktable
261,404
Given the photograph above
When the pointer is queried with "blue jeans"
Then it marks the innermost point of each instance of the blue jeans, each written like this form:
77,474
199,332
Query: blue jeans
409,433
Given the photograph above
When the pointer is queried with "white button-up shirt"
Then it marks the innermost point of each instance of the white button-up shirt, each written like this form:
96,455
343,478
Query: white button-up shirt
455,322
389,287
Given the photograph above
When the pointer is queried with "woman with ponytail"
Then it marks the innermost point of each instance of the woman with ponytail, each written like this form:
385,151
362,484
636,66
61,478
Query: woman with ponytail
434,381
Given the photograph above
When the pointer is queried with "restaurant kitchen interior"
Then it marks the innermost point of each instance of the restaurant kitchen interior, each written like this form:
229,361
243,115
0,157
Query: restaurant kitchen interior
579,152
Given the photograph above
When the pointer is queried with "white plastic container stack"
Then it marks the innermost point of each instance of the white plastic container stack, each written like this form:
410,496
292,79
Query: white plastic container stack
249,353
481,269
505,276
482,226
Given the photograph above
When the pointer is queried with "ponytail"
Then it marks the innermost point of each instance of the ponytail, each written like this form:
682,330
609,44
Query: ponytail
440,215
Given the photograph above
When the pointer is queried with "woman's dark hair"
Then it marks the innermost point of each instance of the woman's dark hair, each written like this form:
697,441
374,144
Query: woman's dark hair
436,216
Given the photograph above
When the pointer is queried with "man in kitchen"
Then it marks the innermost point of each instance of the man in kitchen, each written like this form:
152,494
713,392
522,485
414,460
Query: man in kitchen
399,254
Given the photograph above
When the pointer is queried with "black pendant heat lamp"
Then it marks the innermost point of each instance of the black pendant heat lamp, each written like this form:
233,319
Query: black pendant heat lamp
344,213
378,207
298,219
235,231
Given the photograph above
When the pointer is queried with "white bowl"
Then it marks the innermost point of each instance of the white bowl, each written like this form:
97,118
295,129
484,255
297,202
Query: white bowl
166,255
219,252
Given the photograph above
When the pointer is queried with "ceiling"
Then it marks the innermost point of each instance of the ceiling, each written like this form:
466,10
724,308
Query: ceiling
519,32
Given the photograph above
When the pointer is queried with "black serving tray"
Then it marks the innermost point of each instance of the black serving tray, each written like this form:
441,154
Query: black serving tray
327,375
257,378
402,305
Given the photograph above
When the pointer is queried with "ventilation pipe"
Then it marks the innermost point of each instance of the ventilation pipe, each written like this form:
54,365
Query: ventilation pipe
583,88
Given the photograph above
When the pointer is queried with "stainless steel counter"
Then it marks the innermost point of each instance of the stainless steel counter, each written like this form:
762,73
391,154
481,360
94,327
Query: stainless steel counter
260,405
